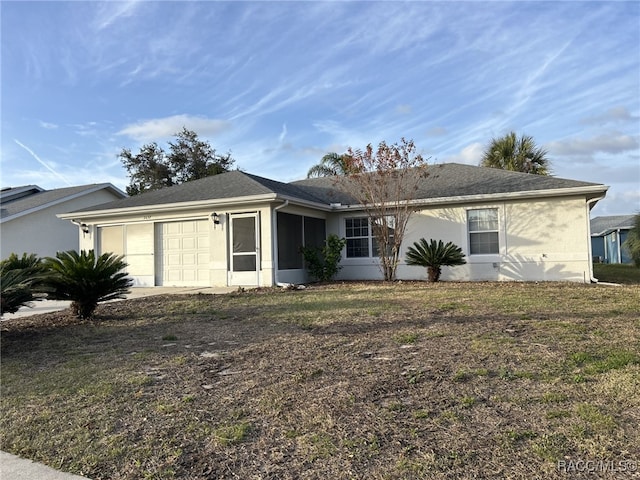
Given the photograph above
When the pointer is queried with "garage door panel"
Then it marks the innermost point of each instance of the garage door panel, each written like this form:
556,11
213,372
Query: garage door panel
173,244
184,254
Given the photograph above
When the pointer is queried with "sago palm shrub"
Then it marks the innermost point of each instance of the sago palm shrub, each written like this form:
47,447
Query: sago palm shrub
434,255
19,278
86,279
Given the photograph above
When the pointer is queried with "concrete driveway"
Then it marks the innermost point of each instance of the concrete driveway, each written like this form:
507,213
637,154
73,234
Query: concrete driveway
47,306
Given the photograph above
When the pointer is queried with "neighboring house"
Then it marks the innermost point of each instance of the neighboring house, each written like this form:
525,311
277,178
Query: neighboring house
241,229
607,236
28,221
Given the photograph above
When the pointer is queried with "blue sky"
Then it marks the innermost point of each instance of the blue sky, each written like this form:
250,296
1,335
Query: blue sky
279,84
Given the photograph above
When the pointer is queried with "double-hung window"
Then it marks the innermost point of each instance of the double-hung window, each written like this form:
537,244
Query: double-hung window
358,235
483,231
361,233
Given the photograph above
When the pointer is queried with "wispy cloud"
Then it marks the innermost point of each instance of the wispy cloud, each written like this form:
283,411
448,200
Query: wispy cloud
614,142
283,133
160,128
42,162
109,13
613,115
48,126
469,155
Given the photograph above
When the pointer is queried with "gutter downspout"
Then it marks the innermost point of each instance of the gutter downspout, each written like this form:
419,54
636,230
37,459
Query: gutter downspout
274,229
79,224
592,279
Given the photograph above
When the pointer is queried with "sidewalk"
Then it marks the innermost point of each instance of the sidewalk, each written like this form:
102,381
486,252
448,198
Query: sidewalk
16,468
47,306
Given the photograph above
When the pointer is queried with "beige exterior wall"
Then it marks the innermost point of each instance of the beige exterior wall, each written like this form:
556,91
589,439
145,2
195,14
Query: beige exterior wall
43,233
540,240
218,240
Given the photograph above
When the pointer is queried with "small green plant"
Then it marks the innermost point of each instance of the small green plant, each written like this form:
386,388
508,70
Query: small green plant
468,401
323,262
434,255
406,338
461,376
232,434
86,279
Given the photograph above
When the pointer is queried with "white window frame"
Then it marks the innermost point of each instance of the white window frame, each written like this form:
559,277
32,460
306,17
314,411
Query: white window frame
496,230
368,237
372,246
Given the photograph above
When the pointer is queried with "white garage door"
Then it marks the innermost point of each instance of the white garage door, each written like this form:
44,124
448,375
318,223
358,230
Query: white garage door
183,254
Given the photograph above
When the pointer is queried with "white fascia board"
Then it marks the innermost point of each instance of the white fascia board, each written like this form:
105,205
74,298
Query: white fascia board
306,203
95,188
168,207
493,197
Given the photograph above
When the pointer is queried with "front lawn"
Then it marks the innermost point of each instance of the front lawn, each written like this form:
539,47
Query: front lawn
345,381
617,273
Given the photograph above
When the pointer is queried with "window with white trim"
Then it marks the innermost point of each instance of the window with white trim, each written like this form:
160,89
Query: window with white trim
358,235
483,231
361,239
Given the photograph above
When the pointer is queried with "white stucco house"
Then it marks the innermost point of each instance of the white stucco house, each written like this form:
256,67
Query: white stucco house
241,229
28,221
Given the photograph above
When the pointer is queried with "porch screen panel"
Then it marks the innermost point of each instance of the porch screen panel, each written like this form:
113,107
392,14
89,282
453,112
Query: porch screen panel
245,253
244,235
289,241
112,239
315,232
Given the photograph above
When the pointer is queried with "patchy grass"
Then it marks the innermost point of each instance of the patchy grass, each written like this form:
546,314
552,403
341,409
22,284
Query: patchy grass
356,380
617,273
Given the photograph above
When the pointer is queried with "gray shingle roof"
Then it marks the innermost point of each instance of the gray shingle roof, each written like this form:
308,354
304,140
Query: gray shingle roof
40,199
456,180
602,225
227,185
446,180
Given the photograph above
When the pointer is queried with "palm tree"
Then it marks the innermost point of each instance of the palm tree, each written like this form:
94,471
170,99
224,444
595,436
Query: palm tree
516,154
86,279
19,279
333,164
434,255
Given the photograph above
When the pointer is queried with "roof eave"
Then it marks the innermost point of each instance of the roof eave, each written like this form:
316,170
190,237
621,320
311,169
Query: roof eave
493,197
168,207
98,187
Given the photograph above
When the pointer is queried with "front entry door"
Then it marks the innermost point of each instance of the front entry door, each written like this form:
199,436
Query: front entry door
245,250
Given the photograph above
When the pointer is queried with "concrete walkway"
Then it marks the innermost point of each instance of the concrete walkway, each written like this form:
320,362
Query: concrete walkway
16,468
47,306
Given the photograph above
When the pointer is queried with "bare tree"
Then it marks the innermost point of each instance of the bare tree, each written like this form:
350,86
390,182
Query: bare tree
388,182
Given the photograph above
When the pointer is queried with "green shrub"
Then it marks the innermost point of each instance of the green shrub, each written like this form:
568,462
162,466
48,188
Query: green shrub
85,279
632,243
434,255
323,263
19,278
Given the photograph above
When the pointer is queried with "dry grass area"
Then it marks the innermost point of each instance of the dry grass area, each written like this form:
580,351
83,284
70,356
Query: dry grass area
342,381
